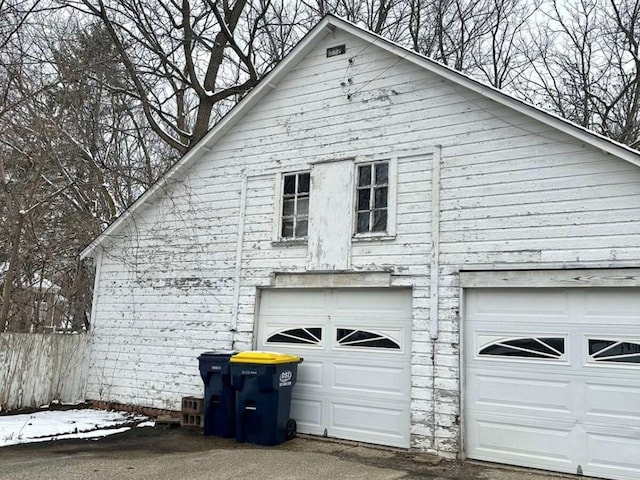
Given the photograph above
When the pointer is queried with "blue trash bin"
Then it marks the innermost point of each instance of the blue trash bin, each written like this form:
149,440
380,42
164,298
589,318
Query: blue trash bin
219,396
263,382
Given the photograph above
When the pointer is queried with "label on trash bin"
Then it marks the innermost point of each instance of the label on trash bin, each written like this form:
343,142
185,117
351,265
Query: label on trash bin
285,378
249,372
216,367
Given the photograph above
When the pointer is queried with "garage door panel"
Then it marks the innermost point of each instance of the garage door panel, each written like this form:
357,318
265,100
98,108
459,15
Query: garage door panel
385,424
613,456
612,404
363,380
359,301
488,392
310,375
276,302
308,414
617,305
526,304
537,444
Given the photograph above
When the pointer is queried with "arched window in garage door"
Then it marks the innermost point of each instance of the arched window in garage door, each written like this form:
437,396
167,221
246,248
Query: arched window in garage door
348,337
307,335
526,347
612,350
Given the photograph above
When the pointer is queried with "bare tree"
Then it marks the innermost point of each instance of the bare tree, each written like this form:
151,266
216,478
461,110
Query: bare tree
188,63
586,66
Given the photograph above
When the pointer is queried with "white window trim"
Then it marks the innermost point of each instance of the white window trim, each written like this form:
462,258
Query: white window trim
392,199
276,235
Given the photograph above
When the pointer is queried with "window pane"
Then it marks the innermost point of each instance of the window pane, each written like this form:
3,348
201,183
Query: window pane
288,207
297,335
614,351
289,184
363,222
360,338
303,183
379,221
382,173
555,343
364,176
381,197
287,228
596,345
301,228
303,206
532,347
363,198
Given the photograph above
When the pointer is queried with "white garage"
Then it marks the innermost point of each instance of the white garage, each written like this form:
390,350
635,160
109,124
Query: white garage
552,378
355,380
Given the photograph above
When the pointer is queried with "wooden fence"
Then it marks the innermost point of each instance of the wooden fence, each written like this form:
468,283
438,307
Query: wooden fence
37,368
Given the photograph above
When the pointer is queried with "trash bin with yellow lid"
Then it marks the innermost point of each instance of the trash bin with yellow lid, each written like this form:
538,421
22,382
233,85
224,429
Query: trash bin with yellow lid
263,382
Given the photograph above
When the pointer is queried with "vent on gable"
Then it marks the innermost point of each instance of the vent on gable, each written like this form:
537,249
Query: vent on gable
337,50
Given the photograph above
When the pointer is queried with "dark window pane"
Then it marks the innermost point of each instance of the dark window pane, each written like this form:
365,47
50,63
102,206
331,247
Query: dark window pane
298,335
303,206
363,222
316,332
364,176
379,221
378,343
287,228
301,228
533,344
505,351
288,207
596,345
527,348
360,338
344,332
382,173
278,337
303,183
600,351
363,198
631,359
381,197
289,184
555,343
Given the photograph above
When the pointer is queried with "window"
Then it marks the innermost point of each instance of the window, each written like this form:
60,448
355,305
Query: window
294,219
527,347
372,197
348,337
310,336
618,351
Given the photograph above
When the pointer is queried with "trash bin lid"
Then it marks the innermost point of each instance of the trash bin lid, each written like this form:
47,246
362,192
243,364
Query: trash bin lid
264,358
219,353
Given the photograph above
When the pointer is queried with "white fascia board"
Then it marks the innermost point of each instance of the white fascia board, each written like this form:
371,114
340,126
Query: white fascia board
578,132
268,83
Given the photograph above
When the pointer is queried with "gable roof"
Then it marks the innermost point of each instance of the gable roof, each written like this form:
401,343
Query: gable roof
327,25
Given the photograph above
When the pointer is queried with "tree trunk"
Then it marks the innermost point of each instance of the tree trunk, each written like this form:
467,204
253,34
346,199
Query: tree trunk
9,276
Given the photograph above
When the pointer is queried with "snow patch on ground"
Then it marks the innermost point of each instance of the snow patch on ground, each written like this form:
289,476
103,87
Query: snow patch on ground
58,425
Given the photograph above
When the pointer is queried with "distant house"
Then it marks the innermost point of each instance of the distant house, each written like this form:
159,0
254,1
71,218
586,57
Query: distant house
37,304
459,269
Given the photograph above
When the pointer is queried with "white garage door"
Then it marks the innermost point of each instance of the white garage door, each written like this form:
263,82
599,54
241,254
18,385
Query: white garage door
355,380
552,379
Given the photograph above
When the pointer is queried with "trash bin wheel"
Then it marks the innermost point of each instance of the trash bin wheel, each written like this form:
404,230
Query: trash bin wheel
290,429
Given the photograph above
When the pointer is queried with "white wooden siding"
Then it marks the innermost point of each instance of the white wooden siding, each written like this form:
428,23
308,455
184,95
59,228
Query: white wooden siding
513,192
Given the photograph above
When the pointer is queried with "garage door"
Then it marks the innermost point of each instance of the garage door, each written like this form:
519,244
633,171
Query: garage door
355,380
552,379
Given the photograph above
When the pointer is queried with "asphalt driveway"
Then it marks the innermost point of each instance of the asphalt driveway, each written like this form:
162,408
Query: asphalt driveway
167,454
